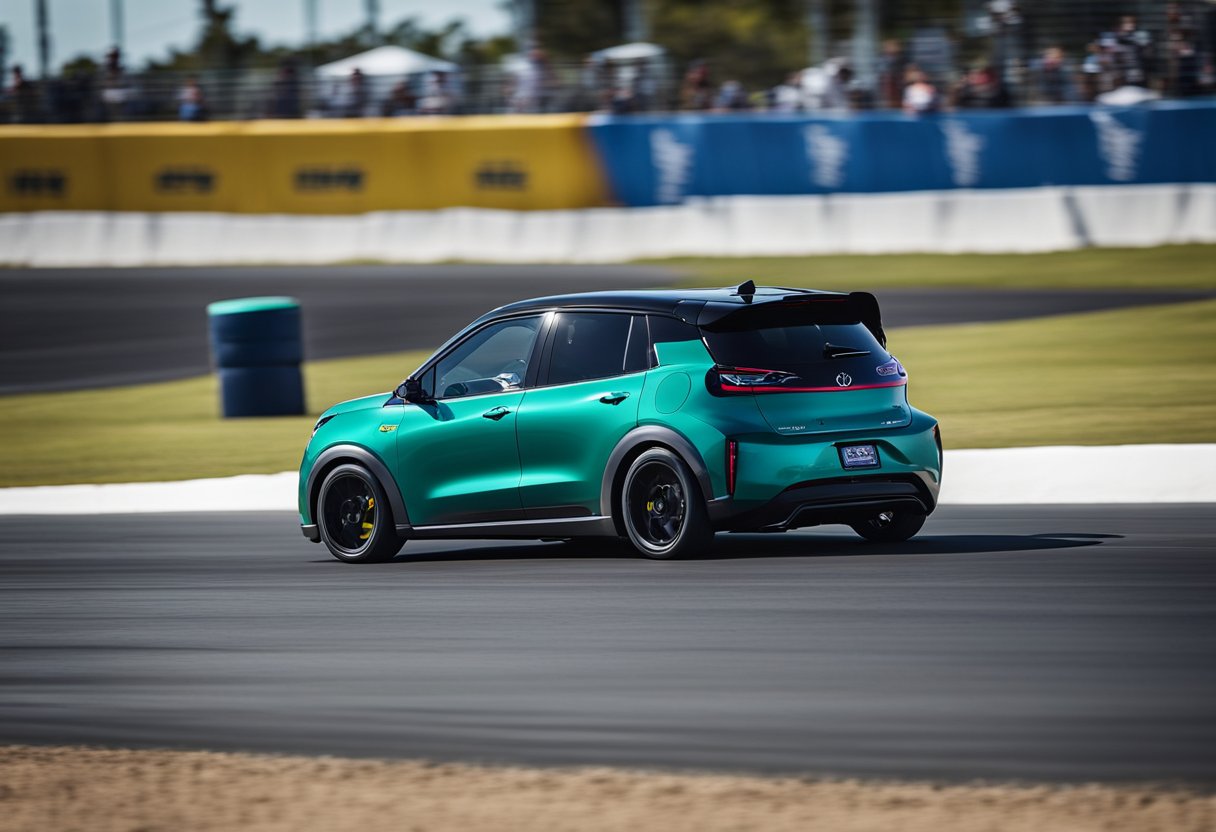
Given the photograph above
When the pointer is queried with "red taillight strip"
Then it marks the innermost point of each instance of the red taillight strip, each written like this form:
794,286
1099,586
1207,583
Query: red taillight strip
732,465
734,388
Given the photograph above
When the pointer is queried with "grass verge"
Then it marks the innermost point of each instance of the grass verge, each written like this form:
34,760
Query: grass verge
1130,376
171,430
1161,267
102,790
1127,376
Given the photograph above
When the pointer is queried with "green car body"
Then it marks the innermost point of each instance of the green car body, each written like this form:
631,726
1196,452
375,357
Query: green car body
532,450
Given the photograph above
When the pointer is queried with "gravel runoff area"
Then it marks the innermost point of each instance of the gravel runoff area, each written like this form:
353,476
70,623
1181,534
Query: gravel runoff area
64,788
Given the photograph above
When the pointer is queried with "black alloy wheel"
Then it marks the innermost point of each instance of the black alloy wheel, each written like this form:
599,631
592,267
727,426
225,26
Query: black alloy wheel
663,511
354,517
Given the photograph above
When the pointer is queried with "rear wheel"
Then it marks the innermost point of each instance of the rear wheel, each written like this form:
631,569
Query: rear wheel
662,508
889,526
354,517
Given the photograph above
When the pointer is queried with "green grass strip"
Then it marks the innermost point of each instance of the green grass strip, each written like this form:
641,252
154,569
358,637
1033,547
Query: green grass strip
1161,267
171,430
1130,376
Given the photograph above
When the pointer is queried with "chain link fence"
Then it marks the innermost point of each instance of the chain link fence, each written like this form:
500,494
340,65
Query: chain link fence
917,55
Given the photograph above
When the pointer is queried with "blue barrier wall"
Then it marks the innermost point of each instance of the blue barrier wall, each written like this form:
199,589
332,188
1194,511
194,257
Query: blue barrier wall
661,160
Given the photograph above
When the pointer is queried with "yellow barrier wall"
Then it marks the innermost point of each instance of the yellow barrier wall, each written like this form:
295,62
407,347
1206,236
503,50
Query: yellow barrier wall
48,170
304,167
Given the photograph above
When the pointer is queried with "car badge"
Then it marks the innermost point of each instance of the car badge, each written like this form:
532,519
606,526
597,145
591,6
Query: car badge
844,379
387,428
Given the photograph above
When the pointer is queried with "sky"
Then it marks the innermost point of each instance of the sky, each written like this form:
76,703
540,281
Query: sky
152,26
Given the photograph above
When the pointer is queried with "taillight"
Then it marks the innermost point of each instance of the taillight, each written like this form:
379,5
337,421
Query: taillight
741,381
891,368
732,465
747,379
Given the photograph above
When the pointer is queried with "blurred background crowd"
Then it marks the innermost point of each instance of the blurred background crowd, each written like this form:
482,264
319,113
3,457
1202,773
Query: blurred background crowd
638,56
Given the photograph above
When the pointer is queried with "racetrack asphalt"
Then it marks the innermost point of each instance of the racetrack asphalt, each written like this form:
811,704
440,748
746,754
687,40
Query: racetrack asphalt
70,328
1060,643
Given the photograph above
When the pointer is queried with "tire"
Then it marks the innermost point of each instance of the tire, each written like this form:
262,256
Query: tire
900,527
350,501
261,391
662,508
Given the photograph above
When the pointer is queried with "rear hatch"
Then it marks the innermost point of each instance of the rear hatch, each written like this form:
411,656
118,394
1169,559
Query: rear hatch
814,363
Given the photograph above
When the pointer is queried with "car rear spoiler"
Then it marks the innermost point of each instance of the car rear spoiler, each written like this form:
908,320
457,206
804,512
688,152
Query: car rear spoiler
802,308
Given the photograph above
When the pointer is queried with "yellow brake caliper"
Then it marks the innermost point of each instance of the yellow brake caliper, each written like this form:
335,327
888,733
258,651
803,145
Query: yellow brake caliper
367,527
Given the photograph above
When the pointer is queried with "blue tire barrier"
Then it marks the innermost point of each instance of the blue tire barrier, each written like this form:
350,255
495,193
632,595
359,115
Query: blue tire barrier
256,348
255,353
261,391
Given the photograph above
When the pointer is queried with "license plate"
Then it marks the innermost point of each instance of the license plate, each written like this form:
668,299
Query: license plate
859,456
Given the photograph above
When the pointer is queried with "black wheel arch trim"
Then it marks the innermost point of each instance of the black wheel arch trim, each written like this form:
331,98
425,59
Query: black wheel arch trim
652,435
354,453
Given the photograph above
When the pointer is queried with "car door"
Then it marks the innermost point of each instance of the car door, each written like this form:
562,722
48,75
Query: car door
585,400
457,458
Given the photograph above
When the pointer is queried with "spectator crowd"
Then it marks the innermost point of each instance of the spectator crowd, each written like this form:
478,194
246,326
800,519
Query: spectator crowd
1125,65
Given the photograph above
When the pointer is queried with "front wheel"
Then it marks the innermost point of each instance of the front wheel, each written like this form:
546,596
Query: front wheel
354,517
889,526
661,504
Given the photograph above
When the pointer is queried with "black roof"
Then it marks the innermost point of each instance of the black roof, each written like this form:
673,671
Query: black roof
684,303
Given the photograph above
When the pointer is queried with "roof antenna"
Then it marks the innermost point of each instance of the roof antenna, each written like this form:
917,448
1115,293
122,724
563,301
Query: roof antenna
746,289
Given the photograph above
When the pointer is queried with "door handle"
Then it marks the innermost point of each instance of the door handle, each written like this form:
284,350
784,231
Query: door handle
613,398
496,413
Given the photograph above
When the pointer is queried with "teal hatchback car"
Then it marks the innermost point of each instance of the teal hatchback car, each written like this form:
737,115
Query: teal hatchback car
660,417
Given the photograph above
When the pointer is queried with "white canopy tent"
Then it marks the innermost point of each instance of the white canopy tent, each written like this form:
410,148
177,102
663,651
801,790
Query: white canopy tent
385,61
382,68
639,51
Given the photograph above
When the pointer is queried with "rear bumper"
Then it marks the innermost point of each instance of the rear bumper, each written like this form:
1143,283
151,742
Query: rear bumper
837,500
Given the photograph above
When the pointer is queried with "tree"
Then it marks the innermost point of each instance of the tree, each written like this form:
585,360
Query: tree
756,42
572,29
217,47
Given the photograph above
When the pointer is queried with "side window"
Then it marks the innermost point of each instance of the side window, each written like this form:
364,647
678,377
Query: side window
490,361
588,345
664,330
428,382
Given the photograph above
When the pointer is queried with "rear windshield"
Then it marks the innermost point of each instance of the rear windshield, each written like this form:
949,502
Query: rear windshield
782,347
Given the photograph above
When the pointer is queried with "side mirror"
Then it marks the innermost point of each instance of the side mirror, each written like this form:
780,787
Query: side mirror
411,391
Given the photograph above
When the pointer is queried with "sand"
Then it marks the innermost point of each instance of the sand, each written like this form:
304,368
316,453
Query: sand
59,788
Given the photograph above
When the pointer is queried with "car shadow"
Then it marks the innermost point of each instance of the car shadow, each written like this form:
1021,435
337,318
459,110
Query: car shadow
757,546
847,545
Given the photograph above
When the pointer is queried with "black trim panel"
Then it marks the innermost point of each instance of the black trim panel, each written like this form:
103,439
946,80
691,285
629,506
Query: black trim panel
519,529
557,512
837,500
512,515
311,531
368,460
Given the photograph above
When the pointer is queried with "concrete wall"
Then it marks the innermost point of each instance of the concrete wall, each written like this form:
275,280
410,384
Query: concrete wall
998,221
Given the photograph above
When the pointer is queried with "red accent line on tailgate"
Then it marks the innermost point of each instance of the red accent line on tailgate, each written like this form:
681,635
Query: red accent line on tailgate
733,388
